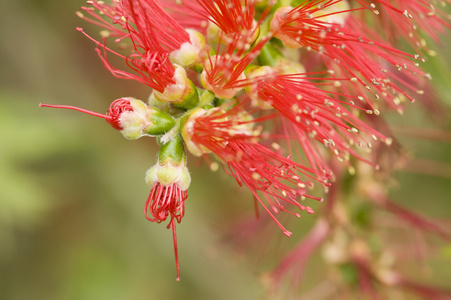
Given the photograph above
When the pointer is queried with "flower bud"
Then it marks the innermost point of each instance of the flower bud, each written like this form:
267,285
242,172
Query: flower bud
187,133
144,120
174,92
193,53
168,175
169,180
170,168
182,94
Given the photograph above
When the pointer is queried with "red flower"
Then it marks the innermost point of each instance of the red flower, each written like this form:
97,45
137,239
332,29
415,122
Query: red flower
164,201
350,49
132,117
169,180
269,175
152,34
408,19
312,111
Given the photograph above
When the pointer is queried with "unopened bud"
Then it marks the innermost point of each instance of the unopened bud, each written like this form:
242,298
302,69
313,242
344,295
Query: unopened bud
144,120
192,53
171,166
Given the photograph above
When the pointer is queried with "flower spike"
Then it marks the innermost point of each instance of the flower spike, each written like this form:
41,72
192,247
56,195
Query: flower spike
285,96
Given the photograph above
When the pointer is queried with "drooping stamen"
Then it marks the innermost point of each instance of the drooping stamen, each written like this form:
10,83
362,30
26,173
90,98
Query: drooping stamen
86,111
112,115
174,237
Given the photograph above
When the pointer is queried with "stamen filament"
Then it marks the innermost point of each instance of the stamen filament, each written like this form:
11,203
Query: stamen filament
89,112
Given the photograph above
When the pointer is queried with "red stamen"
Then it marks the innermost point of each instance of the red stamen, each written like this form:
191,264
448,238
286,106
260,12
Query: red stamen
112,115
89,112
272,178
174,237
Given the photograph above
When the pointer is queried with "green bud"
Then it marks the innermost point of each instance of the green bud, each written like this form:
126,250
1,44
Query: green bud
168,174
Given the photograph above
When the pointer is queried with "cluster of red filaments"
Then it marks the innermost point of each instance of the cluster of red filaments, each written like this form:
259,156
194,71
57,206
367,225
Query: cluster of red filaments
269,175
315,113
152,33
401,18
353,51
162,202
116,109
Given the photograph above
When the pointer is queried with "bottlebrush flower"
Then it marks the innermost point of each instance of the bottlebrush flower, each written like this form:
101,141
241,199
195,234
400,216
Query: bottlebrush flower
152,35
269,175
311,110
233,78
223,74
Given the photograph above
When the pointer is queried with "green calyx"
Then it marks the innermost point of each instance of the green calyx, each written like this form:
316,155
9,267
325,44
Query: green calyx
159,122
190,98
206,98
173,151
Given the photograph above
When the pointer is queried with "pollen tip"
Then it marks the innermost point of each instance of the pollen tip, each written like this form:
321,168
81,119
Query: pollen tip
79,29
287,233
178,278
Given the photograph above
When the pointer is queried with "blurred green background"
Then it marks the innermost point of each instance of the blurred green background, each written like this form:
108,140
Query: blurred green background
72,189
